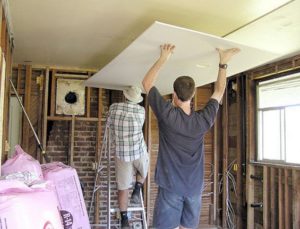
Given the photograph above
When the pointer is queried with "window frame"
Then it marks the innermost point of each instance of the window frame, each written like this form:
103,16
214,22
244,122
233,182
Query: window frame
259,158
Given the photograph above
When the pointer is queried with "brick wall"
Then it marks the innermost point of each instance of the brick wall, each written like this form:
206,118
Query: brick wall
85,138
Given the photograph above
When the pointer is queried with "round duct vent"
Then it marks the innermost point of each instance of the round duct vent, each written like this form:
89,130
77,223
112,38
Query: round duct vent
71,97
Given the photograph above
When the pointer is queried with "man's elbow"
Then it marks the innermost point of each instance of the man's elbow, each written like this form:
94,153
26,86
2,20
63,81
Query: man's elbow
146,86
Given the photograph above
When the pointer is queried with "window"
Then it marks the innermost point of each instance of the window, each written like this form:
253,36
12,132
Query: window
278,116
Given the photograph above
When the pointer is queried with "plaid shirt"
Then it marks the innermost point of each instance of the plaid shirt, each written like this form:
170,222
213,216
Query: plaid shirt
127,121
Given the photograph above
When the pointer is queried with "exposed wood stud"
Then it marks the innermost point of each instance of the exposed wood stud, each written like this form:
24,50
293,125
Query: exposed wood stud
26,126
296,199
280,201
3,35
69,118
239,177
225,157
19,78
250,90
286,199
1,18
266,206
88,102
45,110
88,99
53,94
273,199
40,117
98,153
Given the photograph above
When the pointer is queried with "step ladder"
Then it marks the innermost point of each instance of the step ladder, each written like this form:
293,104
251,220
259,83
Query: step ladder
106,151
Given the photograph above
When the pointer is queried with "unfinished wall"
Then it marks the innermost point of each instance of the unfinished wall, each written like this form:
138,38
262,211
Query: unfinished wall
276,187
86,142
29,90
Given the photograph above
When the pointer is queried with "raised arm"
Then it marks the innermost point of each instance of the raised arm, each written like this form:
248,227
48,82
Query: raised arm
220,84
151,76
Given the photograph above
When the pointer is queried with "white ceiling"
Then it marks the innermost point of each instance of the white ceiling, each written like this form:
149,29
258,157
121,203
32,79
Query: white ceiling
195,55
90,33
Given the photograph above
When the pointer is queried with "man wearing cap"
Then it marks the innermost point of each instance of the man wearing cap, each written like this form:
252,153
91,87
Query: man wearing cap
127,120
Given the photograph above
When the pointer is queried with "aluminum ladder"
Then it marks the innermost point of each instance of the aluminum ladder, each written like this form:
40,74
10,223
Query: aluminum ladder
106,150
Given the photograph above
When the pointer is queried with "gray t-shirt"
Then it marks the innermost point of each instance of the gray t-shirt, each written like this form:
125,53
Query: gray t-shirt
180,162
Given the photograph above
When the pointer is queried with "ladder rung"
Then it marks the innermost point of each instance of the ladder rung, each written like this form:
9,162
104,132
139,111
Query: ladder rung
130,209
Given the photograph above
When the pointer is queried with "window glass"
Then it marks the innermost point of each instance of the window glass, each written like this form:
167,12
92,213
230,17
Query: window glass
271,135
278,120
292,134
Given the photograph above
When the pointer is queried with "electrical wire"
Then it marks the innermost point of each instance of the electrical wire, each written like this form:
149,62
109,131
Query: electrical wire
230,181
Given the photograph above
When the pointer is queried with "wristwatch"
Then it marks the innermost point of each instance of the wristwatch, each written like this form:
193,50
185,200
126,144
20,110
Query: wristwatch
224,66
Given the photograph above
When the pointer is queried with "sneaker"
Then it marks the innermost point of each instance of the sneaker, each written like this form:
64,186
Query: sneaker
125,224
135,198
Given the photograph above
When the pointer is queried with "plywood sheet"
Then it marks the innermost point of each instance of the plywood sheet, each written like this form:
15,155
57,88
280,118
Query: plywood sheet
195,55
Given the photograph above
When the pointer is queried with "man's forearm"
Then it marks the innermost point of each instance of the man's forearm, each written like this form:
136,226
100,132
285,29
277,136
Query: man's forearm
151,76
220,85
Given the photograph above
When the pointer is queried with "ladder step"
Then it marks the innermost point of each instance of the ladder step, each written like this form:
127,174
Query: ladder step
130,209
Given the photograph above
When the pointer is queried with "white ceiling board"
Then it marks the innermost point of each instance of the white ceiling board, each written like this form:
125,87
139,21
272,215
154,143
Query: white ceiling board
192,49
277,32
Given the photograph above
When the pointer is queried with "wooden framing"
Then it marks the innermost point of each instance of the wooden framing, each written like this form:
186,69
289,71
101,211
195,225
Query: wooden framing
19,78
250,150
45,110
296,199
69,118
280,201
286,199
40,114
88,100
62,68
98,153
216,151
239,161
225,157
53,94
3,33
273,199
27,103
266,204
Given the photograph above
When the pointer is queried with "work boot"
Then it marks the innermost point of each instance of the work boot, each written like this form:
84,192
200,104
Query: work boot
135,196
125,224
124,220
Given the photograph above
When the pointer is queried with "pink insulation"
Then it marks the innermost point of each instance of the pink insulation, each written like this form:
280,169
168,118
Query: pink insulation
22,162
23,207
67,186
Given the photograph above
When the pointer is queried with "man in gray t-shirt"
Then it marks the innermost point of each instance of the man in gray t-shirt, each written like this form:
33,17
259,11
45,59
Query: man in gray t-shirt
180,163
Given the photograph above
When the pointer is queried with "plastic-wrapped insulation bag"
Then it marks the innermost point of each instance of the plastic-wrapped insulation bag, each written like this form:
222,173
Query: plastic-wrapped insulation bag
23,207
69,193
23,162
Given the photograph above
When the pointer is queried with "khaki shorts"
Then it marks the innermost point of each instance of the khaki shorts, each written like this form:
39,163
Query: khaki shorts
126,170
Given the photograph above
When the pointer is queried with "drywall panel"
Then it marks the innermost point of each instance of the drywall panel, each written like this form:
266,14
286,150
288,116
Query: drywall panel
276,32
195,55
